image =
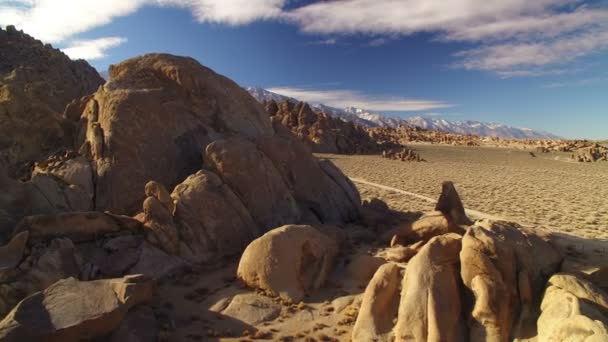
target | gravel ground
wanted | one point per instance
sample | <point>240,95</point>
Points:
<point>546,191</point>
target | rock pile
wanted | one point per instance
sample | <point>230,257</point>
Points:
<point>36,83</point>
<point>403,154</point>
<point>403,135</point>
<point>160,122</point>
<point>322,133</point>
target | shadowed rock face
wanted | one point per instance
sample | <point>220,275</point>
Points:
<point>36,83</point>
<point>71,310</point>
<point>152,120</point>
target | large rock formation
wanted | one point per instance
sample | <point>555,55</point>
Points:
<point>71,310</point>
<point>152,120</point>
<point>321,132</point>
<point>430,307</point>
<point>505,270</point>
<point>36,83</point>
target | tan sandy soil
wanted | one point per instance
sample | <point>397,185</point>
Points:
<point>543,191</point>
<point>188,309</point>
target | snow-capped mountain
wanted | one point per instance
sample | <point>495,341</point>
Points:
<point>369,119</point>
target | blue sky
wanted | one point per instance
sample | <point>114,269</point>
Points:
<point>540,64</point>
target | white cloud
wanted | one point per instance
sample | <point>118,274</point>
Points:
<point>55,21</point>
<point>512,37</point>
<point>514,34</point>
<point>506,56</point>
<point>92,49</point>
<point>343,98</point>
<point>232,12</point>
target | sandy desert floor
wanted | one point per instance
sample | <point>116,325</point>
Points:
<point>547,191</point>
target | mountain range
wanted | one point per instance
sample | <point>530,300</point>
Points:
<point>369,119</point>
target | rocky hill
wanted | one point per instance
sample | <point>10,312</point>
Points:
<point>36,83</point>
<point>321,132</point>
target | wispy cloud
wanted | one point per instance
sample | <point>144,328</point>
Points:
<point>328,41</point>
<point>577,83</point>
<point>345,97</point>
<point>514,37</point>
<point>511,38</point>
<point>54,21</point>
<point>92,49</point>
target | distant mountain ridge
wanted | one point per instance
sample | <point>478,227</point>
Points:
<point>369,119</point>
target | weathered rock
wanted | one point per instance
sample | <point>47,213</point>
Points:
<point>78,226</point>
<point>71,310</point>
<point>57,260</point>
<point>379,306</point>
<point>212,221</point>
<point>317,195</point>
<point>151,120</point>
<point>49,195</point>
<point>449,204</point>
<point>566,317</point>
<point>581,288</point>
<point>139,325</point>
<point>429,225</point>
<point>319,131</point>
<point>13,202</point>
<point>252,308</point>
<point>288,261</point>
<point>506,270</point>
<point>36,83</point>
<point>157,190</point>
<point>161,228</point>
<point>155,263</point>
<point>255,180</point>
<point>345,184</point>
<point>430,307</point>
<point>363,267</point>
<point>12,253</point>
<point>403,253</point>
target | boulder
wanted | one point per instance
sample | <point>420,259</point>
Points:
<point>252,308</point>
<point>12,253</point>
<point>426,227</point>
<point>581,288</point>
<point>211,220</point>
<point>379,306</point>
<point>78,226</point>
<point>567,317</point>
<point>288,261</point>
<point>151,120</point>
<point>430,306</point>
<point>157,190</point>
<point>363,267</point>
<point>506,271</point>
<point>71,310</point>
<point>255,180</point>
<point>403,253</point>
<point>449,204</point>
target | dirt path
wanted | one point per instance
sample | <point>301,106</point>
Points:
<point>473,213</point>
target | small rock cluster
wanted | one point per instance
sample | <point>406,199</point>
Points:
<point>403,154</point>
<point>403,135</point>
